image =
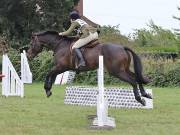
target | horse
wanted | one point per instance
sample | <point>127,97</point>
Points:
<point>117,61</point>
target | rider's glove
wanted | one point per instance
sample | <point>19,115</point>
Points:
<point>60,34</point>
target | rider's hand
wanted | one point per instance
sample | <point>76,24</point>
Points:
<point>60,34</point>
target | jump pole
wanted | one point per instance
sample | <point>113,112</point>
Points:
<point>102,120</point>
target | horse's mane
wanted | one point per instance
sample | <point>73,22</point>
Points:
<point>46,32</point>
<point>66,39</point>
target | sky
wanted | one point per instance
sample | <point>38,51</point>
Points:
<point>133,14</point>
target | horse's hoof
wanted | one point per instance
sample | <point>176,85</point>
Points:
<point>140,100</point>
<point>48,93</point>
<point>147,95</point>
<point>143,102</point>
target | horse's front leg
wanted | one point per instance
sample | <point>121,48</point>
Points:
<point>50,78</point>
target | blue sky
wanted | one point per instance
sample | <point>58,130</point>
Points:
<point>132,14</point>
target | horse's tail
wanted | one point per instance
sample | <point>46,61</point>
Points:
<point>137,67</point>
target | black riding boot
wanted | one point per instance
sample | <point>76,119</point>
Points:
<point>81,62</point>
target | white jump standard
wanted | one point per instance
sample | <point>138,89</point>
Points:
<point>26,75</point>
<point>102,119</point>
<point>11,83</point>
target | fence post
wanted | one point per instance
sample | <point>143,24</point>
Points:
<point>102,119</point>
<point>11,83</point>
<point>26,75</point>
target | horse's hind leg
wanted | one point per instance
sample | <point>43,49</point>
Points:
<point>50,78</point>
<point>143,92</point>
<point>141,88</point>
<point>124,76</point>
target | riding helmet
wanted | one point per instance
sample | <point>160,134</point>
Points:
<point>74,15</point>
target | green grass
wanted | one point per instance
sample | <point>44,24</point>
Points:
<point>37,115</point>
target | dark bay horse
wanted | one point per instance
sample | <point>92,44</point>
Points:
<point>117,60</point>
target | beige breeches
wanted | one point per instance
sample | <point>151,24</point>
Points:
<point>84,41</point>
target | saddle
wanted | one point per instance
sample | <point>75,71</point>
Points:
<point>92,44</point>
<point>89,45</point>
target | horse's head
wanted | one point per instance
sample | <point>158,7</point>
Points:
<point>40,40</point>
<point>35,46</point>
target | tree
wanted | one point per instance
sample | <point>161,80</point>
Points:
<point>19,18</point>
<point>178,31</point>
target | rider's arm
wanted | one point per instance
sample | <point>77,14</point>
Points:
<point>71,29</point>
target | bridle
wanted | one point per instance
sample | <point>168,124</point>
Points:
<point>36,40</point>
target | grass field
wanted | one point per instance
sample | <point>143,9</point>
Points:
<point>37,115</point>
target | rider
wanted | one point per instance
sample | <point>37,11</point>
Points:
<point>86,32</point>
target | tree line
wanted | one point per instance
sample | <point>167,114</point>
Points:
<point>19,18</point>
